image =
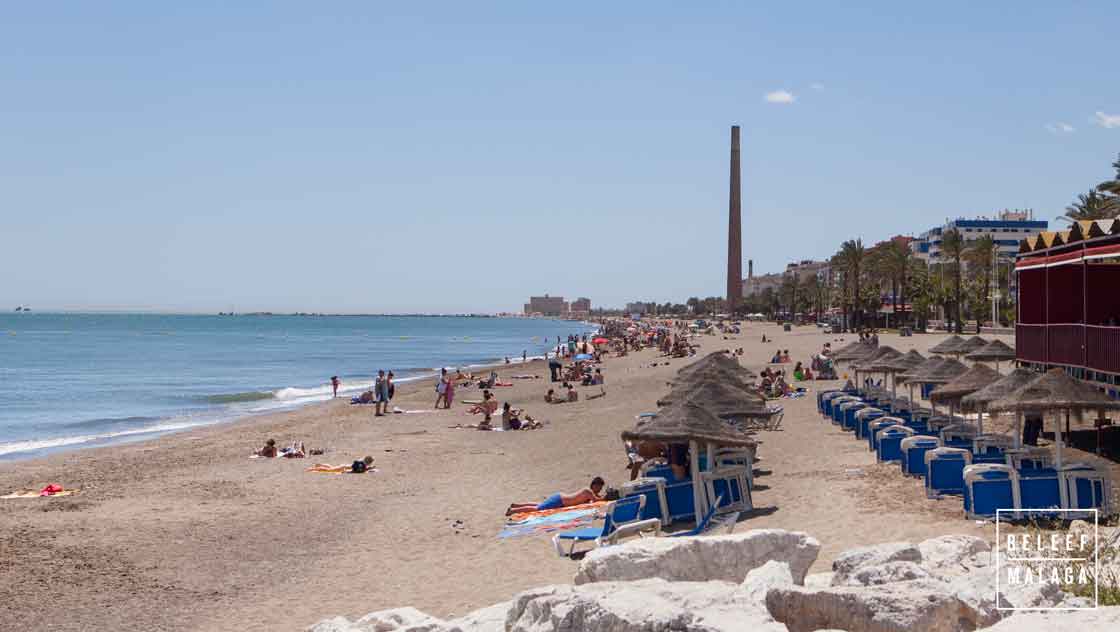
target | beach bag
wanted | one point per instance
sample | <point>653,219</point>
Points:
<point>358,467</point>
<point>441,387</point>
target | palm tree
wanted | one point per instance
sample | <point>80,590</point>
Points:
<point>851,259</point>
<point>1091,205</point>
<point>979,257</point>
<point>953,247</point>
<point>1111,189</point>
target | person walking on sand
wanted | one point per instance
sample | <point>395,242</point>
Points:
<point>524,356</point>
<point>381,394</point>
<point>334,385</point>
<point>441,388</point>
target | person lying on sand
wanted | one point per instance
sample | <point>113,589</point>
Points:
<point>269,450</point>
<point>357,467</point>
<point>588,494</point>
<point>511,419</point>
<point>295,451</point>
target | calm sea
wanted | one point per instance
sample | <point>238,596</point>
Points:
<point>79,380</point>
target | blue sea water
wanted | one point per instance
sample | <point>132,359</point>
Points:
<point>79,380</point>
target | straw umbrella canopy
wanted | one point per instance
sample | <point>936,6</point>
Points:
<point>974,343</point>
<point>898,364</point>
<point>948,345</point>
<point>719,398</point>
<point>979,400</point>
<point>1056,390</point>
<point>863,364</point>
<point>972,380</point>
<point>915,373</point>
<point>714,365</point>
<point>947,372</point>
<point>854,351</point>
<point>995,351</point>
<point>688,422</point>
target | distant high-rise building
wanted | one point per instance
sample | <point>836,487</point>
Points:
<point>581,305</point>
<point>547,305</point>
<point>1006,230</point>
<point>734,229</point>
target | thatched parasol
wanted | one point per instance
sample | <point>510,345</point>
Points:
<point>715,362</point>
<point>719,398</point>
<point>1056,390</point>
<point>969,382</point>
<point>879,352</point>
<point>948,345</point>
<point>998,389</point>
<point>688,422</point>
<point>860,350</point>
<point>995,351</point>
<point>948,371</point>
<point>979,400</point>
<point>974,343</point>
<point>915,374</point>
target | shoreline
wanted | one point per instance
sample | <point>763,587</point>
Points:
<point>228,415</point>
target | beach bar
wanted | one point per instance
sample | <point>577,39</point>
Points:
<point>1069,309</point>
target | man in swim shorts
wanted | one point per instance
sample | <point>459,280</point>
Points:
<point>591,493</point>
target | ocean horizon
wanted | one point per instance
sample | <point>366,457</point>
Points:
<point>84,379</point>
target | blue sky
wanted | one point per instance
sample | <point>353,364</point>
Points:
<point>357,156</point>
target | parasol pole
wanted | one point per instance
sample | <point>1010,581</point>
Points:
<point>1018,428</point>
<point>1061,479</point>
<point>697,484</point>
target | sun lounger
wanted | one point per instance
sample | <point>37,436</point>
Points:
<point>945,470</point>
<point>914,453</point>
<point>1039,489</point>
<point>988,487</point>
<point>711,522</point>
<point>621,518</point>
<point>865,416</point>
<point>875,426</point>
<point>1087,487</point>
<point>848,412</point>
<point>889,442</point>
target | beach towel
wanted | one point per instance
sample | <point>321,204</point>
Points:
<point>550,520</point>
<point>30,493</point>
<point>526,516</point>
<point>345,469</point>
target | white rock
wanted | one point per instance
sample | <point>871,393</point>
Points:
<point>336,624</point>
<point>721,557</point>
<point>848,562</point>
<point>760,580</point>
<point>914,606</point>
<point>488,619</point>
<point>406,619</point>
<point>395,620</point>
<point>819,580</point>
<point>1100,619</point>
<point>951,554</point>
<point>887,573</point>
<point>651,605</point>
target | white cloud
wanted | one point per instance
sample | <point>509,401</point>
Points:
<point>1060,128</point>
<point>817,86</point>
<point>780,96</point>
<point>1107,121</point>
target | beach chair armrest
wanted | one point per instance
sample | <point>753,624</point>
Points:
<point>649,524</point>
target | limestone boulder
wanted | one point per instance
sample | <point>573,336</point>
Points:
<point>722,557</point>
<point>910,606</point>
<point>852,560</point>
<point>760,580</point>
<point>954,554</point>
<point>650,605</point>
<point>1107,618</point>
<point>887,573</point>
<point>395,620</point>
<point>819,580</point>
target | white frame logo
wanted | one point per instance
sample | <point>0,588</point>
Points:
<point>1027,555</point>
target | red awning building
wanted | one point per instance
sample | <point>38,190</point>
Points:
<point>1069,300</point>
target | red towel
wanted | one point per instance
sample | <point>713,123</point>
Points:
<point>50,490</point>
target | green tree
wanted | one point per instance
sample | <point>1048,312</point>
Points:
<point>953,248</point>
<point>1111,190</point>
<point>850,260</point>
<point>1091,205</point>
<point>978,255</point>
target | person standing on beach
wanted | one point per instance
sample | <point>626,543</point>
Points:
<point>524,356</point>
<point>449,393</point>
<point>441,388</point>
<point>381,394</point>
<point>334,385</point>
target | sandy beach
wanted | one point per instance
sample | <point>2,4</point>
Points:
<point>185,532</point>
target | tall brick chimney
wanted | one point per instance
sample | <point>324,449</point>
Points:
<point>734,230</point>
